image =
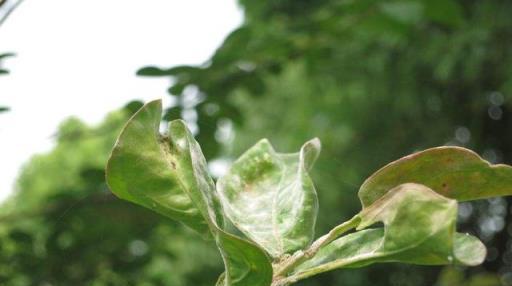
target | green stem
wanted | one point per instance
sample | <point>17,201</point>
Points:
<point>301,256</point>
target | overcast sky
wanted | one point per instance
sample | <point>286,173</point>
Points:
<point>78,58</point>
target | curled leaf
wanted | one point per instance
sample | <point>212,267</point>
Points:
<point>142,169</point>
<point>270,197</point>
<point>419,228</point>
<point>454,172</point>
<point>169,175</point>
<point>221,281</point>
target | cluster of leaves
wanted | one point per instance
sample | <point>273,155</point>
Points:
<point>375,81</point>
<point>271,199</point>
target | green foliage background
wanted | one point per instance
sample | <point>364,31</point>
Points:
<point>373,80</point>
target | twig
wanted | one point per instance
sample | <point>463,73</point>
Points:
<point>300,256</point>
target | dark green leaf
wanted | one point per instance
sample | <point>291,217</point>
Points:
<point>173,113</point>
<point>155,71</point>
<point>133,106</point>
<point>151,71</point>
<point>176,89</point>
<point>6,55</point>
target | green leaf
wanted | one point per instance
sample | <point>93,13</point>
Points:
<point>246,263</point>
<point>2,57</point>
<point>419,228</point>
<point>176,89</point>
<point>152,71</point>
<point>143,169</point>
<point>222,280</point>
<point>6,55</point>
<point>173,113</point>
<point>270,197</point>
<point>156,71</point>
<point>169,175</point>
<point>453,172</point>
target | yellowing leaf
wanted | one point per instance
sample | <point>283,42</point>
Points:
<point>453,172</point>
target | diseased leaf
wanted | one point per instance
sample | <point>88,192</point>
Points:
<point>222,280</point>
<point>419,228</point>
<point>143,170</point>
<point>169,174</point>
<point>246,263</point>
<point>270,197</point>
<point>454,172</point>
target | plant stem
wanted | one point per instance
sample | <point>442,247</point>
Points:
<point>301,256</point>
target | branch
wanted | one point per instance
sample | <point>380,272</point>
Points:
<point>6,8</point>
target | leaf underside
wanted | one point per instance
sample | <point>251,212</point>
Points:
<point>270,197</point>
<point>419,228</point>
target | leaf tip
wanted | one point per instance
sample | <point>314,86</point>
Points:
<point>310,151</point>
<point>469,250</point>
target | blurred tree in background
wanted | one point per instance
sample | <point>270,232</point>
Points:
<point>6,8</point>
<point>374,80</point>
<point>64,227</point>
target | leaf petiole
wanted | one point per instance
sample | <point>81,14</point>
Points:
<point>301,256</point>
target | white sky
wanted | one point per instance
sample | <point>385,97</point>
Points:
<point>77,57</point>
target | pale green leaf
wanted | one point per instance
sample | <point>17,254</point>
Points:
<point>453,172</point>
<point>169,175</point>
<point>270,197</point>
<point>407,12</point>
<point>221,281</point>
<point>419,228</point>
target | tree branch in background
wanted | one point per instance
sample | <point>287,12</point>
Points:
<point>6,8</point>
<point>4,71</point>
